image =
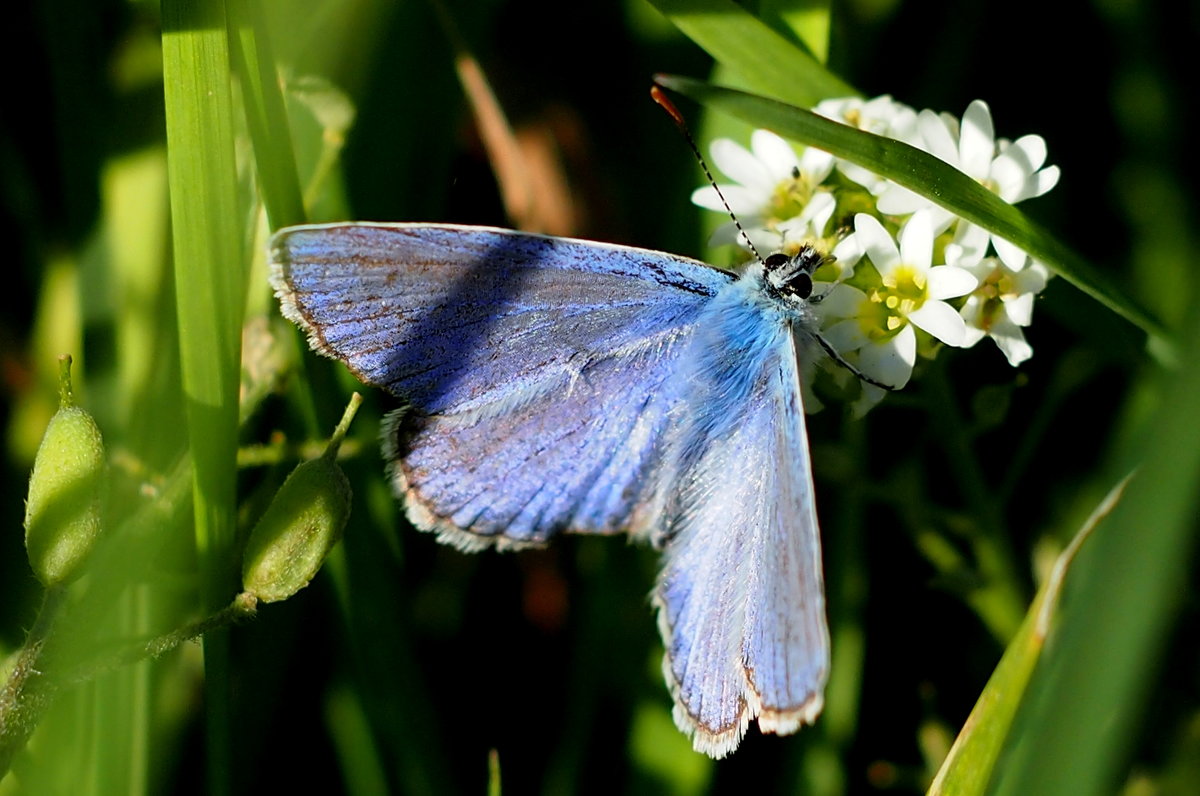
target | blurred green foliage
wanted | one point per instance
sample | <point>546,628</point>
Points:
<point>406,662</point>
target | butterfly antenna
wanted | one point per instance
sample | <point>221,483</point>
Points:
<point>658,96</point>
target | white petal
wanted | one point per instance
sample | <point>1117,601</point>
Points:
<point>1032,278</point>
<point>891,360</point>
<point>794,231</point>
<point>795,228</point>
<point>764,241</point>
<point>1029,151</point>
<point>916,241</point>
<point>940,320</point>
<point>950,281</point>
<point>970,310</point>
<point>970,245</point>
<point>837,108</point>
<point>896,200</point>
<point>903,126</point>
<point>1043,181</point>
<point>1011,255</point>
<point>845,336</point>
<point>1020,309</point>
<point>1010,179</point>
<point>876,243</point>
<point>707,198</point>
<point>741,166</point>
<point>848,251</point>
<point>881,111</point>
<point>1016,170</point>
<point>1011,341</point>
<point>977,141</point>
<point>774,153</point>
<point>937,138</point>
<point>1016,185</point>
<point>744,203</point>
<point>818,211</point>
<point>940,218</point>
<point>864,177</point>
<point>841,301</point>
<point>816,164</point>
<point>972,336</point>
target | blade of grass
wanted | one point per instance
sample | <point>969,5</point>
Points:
<point>1085,702</point>
<point>210,288</point>
<point>350,730</point>
<point>266,116</point>
<point>810,20</point>
<point>969,766</point>
<point>766,60</point>
<point>928,176</point>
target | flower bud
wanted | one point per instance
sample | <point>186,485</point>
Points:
<point>62,511</point>
<point>303,523</point>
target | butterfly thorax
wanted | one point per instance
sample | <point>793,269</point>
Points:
<point>735,354</point>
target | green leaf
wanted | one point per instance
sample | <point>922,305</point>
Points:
<point>972,760</point>
<point>765,59</point>
<point>1087,698</point>
<point>927,175</point>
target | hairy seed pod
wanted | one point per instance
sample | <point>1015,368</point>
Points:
<point>62,511</point>
<point>303,523</point>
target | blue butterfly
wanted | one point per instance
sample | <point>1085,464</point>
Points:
<point>556,385</point>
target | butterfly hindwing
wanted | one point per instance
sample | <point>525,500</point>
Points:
<point>537,370</point>
<point>740,596</point>
<point>578,460</point>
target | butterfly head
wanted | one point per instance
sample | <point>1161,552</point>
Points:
<point>790,276</point>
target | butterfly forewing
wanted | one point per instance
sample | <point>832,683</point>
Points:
<point>453,319</point>
<point>538,370</point>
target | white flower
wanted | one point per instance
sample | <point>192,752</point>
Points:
<point>882,116</point>
<point>790,234</point>
<point>877,326</point>
<point>1002,304</point>
<point>772,184</point>
<point>1012,170</point>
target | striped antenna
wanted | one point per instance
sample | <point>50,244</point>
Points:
<point>658,96</point>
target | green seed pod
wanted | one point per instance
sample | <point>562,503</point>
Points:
<point>62,512</point>
<point>303,523</point>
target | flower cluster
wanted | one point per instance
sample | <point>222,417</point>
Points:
<point>932,277</point>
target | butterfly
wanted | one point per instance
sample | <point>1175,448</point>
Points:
<point>556,385</point>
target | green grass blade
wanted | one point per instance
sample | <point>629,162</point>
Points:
<point>210,287</point>
<point>928,176</point>
<point>350,732</point>
<point>810,20</point>
<point>764,59</point>
<point>1086,699</point>
<point>266,116</point>
<point>972,760</point>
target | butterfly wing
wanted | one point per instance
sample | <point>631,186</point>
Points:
<point>740,597</point>
<point>537,369</point>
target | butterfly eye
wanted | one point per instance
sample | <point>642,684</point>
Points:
<point>800,285</point>
<point>792,276</point>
